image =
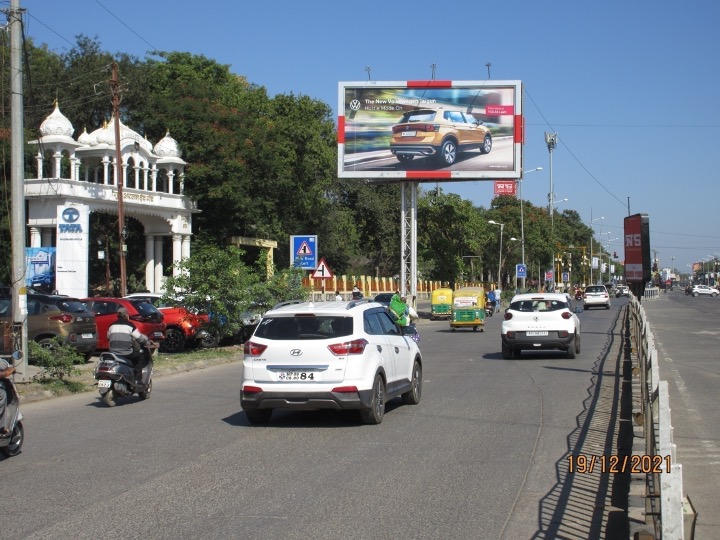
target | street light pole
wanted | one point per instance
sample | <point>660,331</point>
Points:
<point>551,141</point>
<point>522,225</point>
<point>502,225</point>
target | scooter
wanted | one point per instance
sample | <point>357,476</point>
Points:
<point>11,444</point>
<point>116,377</point>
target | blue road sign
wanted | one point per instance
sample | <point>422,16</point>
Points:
<point>304,251</point>
<point>521,270</point>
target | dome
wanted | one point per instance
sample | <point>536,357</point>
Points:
<point>85,137</point>
<point>56,124</point>
<point>167,147</point>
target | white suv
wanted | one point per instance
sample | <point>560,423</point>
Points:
<point>329,355</point>
<point>596,295</point>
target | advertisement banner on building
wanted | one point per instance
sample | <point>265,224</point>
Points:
<point>430,130</point>
<point>73,226</point>
<point>40,268</point>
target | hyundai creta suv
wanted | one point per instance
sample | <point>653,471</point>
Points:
<point>442,133</point>
<point>329,355</point>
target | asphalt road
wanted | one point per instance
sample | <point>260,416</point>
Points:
<point>484,455</point>
<point>687,338</point>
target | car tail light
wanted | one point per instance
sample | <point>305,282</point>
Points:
<point>345,389</point>
<point>508,315</point>
<point>510,335</point>
<point>63,318</point>
<point>566,315</point>
<point>251,389</point>
<point>356,346</point>
<point>250,348</point>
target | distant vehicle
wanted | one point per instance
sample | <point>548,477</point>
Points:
<point>704,290</point>
<point>539,321</point>
<point>328,355</point>
<point>596,296</point>
<point>622,290</point>
<point>441,132</point>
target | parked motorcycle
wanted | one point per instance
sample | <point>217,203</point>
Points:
<point>11,444</point>
<point>116,377</point>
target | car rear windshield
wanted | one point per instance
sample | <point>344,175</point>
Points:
<point>418,116</point>
<point>71,306</point>
<point>596,289</point>
<point>305,327</point>
<point>538,305</point>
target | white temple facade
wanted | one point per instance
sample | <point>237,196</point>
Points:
<point>60,199</point>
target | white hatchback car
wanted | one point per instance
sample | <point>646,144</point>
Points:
<point>596,295</point>
<point>329,355</point>
<point>537,321</point>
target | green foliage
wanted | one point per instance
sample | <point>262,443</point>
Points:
<point>216,281</point>
<point>56,362</point>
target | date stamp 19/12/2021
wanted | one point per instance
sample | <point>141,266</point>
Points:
<point>634,464</point>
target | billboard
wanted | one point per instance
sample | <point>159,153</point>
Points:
<point>637,249</point>
<point>430,130</point>
<point>40,268</point>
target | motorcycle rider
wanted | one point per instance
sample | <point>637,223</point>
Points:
<point>5,371</point>
<point>125,340</point>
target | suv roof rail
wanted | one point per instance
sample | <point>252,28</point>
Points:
<point>354,303</point>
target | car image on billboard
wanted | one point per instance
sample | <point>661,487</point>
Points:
<point>430,130</point>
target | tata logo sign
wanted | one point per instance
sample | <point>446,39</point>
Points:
<point>70,217</point>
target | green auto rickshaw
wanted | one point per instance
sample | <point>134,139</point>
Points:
<point>468,309</point>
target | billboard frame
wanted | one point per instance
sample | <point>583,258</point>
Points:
<point>367,110</point>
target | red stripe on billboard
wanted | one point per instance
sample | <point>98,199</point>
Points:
<point>341,130</point>
<point>519,129</point>
<point>428,174</point>
<point>429,84</point>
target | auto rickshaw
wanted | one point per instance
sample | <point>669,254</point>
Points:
<point>468,308</point>
<point>441,304</point>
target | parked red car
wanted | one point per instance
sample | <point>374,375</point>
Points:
<point>146,317</point>
<point>182,327</point>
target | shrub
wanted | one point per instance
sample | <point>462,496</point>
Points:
<point>57,361</point>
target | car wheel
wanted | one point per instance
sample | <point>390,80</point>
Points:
<point>448,153</point>
<point>607,306</point>
<point>47,343</point>
<point>412,396</point>
<point>259,416</point>
<point>404,158</point>
<point>374,415</point>
<point>506,352</point>
<point>16,441</point>
<point>571,350</point>
<point>174,341</point>
<point>209,341</point>
<point>695,295</point>
<point>713,295</point>
<point>487,144</point>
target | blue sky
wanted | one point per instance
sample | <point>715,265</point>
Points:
<point>631,88</point>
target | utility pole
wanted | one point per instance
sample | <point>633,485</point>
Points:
<point>17,182</point>
<point>551,141</point>
<point>122,231</point>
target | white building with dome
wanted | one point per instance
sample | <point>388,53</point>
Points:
<point>61,197</point>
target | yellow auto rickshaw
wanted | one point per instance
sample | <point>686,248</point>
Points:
<point>441,304</point>
<point>468,308</point>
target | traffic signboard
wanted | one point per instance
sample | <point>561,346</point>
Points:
<point>521,270</point>
<point>303,251</point>
<point>322,271</point>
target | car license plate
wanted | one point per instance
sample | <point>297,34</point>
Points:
<point>536,333</point>
<point>86,336</point>
<point>409,133</point>
<point>104,383</point>
<point>297,376</point>
<point>157,334</point>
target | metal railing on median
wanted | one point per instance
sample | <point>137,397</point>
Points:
<point>667,511</point>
